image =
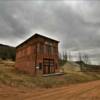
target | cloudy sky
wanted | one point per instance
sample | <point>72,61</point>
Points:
<point>75,23</point>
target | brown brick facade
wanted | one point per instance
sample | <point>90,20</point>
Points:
<point>37,55</point>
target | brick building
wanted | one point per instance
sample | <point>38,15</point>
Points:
<point>37,55</point>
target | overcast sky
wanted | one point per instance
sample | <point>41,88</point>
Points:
<point>75,23</point>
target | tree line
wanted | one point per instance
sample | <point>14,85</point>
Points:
<point>83,59</point>
<point>7,52</point>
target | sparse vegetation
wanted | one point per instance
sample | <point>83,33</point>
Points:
<point>63,59</point>
<point>75,72</point>
<point>12,77</point>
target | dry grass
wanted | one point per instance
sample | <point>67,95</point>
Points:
<point>12,77</point>
<point>75,72</point>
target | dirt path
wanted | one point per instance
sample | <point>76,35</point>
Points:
<point>83,91</point>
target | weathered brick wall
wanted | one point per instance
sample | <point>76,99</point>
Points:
<point>30,54</point>
<point>45,54</point>
<point>24,59</point>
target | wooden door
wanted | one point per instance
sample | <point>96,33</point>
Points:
<point>48,66</point>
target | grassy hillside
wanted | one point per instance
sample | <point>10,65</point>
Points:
<point>74,68</point>
<point>71,67</point>
<point>7,52</point>
<point>12,77</point>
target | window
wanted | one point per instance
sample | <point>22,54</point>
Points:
<point>55,50</point>
<point>48,49</point>
<point>44,48</point>
<point>40,48</point>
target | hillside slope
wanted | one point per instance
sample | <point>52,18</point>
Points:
<point>74,69</point>
<point>7,52</point>
<point>71,67</point>
<point>16,85</point>
<point>12,77</point>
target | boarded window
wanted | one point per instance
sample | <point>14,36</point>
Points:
<point>40,48</point>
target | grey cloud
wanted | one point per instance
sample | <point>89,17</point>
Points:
<point>76,28</point>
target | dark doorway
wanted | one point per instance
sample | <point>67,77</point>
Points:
<point>48,66</point>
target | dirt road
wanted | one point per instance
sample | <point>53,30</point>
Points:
<point>83,91</point>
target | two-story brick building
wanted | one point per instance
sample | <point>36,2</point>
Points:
<point>37,55</point>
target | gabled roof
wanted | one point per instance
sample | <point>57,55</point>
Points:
<point>36,36</point>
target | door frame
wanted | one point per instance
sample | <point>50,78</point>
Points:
<point>48,66</point>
